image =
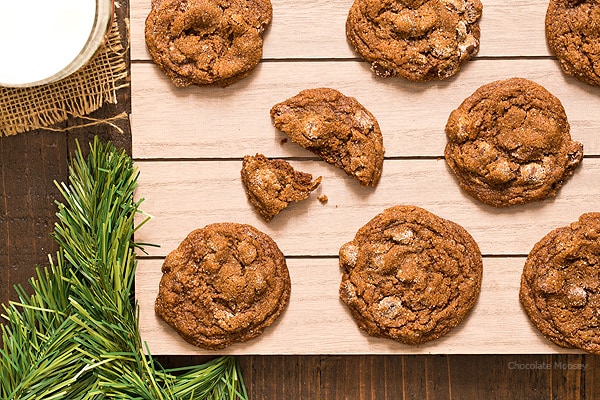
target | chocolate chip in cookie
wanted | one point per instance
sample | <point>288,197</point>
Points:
<point>271,185</point>
<point>509,143</point>
<point>410,275</point>
<point>420,40</point>
<point>224,284</point>
<point>335,127</point>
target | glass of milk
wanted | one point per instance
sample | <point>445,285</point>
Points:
<point>42,41</point>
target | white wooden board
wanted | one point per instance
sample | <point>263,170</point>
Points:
<point>188,145</point>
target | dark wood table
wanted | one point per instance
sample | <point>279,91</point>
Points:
<point>31,162</point>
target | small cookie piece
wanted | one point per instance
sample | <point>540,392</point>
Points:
<point>560,290</point>
<point>573,36</point>
<point>335,127</point>
<point>420,40</point>
<point>410,275</point>
<point>207,41</point>
<point>509,143</point>
<point>271,185</point>
<point>224,284</point>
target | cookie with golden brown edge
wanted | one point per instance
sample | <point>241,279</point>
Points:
<point>573,36</point>
<point>224,284</point>
<point>207,41</point>
<point>420,40</point>
<point>337,128</point>
<point>509,143</point>
<point>560,289</point>
<point>271,185</point>
<point>409,275</point>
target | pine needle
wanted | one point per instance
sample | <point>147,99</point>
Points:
<point>77,336</point>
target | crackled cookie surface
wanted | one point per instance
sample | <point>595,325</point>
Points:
<point>410,275</point>
<point>560,289</point>
<point>573,35</point>
<point>509,143</point>
<point>335,127</point>
<point>420,40</point>
<point>207,41</point>
<point>225,283</point>
<point>271,185</point>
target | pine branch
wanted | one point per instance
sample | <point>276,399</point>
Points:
<point>77,336</point>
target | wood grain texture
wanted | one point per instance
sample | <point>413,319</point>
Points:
<point>308,376</point>
<point>208,122</point>
<point>316,29</point>
<point>211,191</point>
<point>188,144</point>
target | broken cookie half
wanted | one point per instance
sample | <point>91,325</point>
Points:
<point>271,185</point>
<point>335,127</point>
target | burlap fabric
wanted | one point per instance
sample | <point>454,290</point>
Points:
<point>25,109</point>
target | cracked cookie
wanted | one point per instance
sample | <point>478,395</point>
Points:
<point>410,275</point>
<point>573,36</point>
<point>509,143</point>
<point>271,185</point>
<point>225,283</point>
<point>560,290</point>
<point>335,127</point>
<point>420,40</point>
<point>206,41</point>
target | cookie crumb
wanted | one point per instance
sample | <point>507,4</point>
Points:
<point>323,199</point>
<point>271,185</point>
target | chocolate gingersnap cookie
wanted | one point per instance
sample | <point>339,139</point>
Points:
<point>225,283</point>
<point>271,185</point>
<point>335,127</point>
<point>560,289</point>
<point>207,41</point>
<point>419,40</point>
<point>573,36</point>
<point>509,143</point>
<point>410,275</point>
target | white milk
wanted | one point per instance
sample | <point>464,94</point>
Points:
<point>40,38</point>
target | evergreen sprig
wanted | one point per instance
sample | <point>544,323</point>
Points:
<point>77,335</point>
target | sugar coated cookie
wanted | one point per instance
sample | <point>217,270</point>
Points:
<point>271,185</point>
<point>509,143</point>
<point>410,275</point>
<point>224,284</point>
<point>560,290</point>
<point>335,127</point>
<point>420,40</point>
<point>573,35</point>
<point>207,41</point>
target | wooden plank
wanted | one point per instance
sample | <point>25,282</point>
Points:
<point>317,322</point>
<point>567,376</point>
<point>592,376</point>
<point>282,377</point>
<point>316,29</point>
<point>29,163</point>
<point>208,122</point>
<point>517,374</point>
<point>182,196</point>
